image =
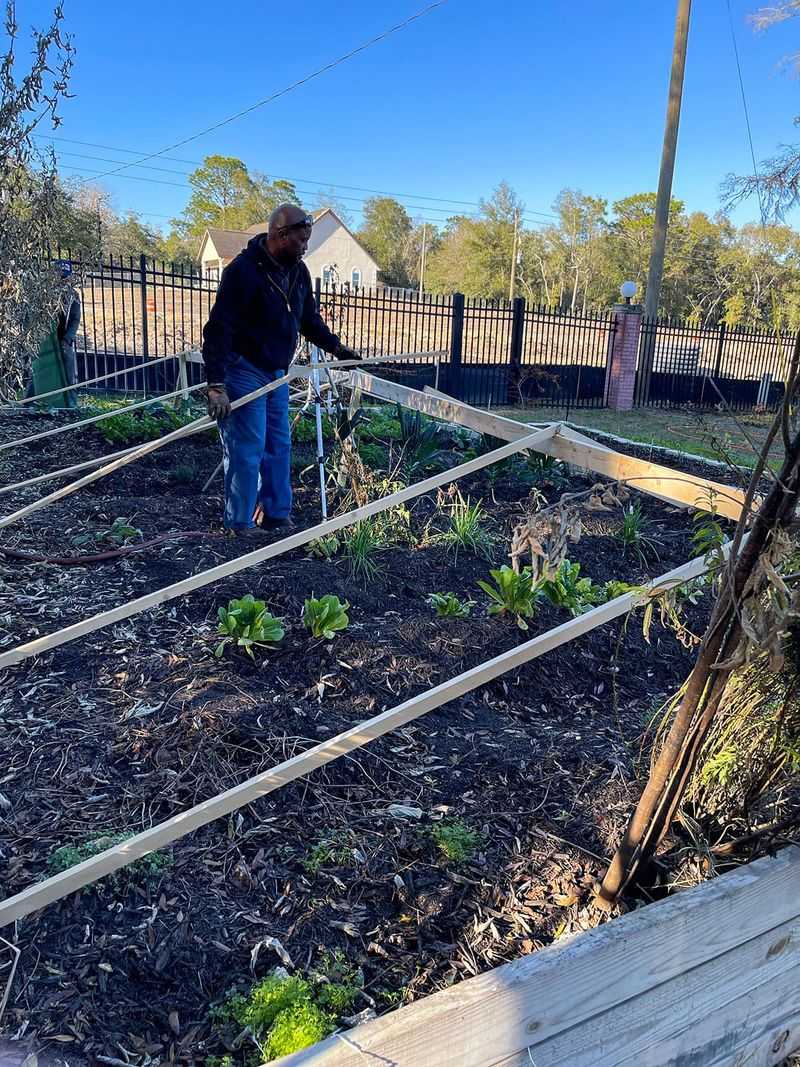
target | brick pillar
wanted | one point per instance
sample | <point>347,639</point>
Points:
<point>621,370</point>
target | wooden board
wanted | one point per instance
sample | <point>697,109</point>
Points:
<point>52,889</point>
<point>575,1004</point>
<point>685,490</point>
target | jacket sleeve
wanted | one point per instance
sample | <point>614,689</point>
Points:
<point>228,310</point>
<point>313,327</point>
<point>73,321</point>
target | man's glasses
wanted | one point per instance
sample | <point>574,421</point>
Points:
<point>303,224</point>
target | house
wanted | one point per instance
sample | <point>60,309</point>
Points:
<point>334,254</point>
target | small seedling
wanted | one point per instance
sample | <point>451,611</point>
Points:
<point>327,853</point>
<point>324,547</point>
<point>513,593</point>
<point>149,867</point>
<point>447,605</point>
<point>634,535</point>
<point>707,537</point>
<point>326,616</point>
<point>119,533</point>
<point>455,840</point>
<point>566,589</point>
<point>247,624</point>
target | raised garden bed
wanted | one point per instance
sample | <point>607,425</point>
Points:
<point>467,839</point>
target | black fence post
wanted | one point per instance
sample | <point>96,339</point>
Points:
<point>456,345</point>
<point>517,338</point>
<point>143,295</point>
<point>720,344</point>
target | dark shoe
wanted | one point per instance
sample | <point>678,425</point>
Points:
<point>252,533</point>
<point>286,524</point>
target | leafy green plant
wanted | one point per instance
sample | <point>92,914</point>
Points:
<point>118,533</point>
<point>513,592</point>
<point>546,470</point>
<point>361,543</point>
<point>380,426</point>
<point>707,537</point>
<point>421,440</point>
<point>329,852</point>
<point>296,1028</point>
<point>247,624</point>
<point>326,616</point>
<point>146,424</point>
<point>150,867</point>
<point>184,474</point>
<point>304,430</point>
<point>566,589</point>
<point>634,534</point>
<point>447,605</point>
<point>373,455</point>
<point>455,840</point>
<point>465,528</point>
<point>615,588</point>
<point>324,547</point>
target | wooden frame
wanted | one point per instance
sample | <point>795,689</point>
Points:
<point>707,978</point>
<point>471,1035</point>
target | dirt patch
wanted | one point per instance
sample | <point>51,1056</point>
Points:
<point>124,728</point>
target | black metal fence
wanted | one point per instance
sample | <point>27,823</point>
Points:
<point>497,352</point>
<point>707,366</point>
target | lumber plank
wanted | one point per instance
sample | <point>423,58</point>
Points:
<point>690,1012</point>
<point>52,889</point>
<point>675,487</point>
<point>249,559</point>
<point>510,1014</point>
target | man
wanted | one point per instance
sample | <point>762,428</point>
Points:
<point>265,300</point>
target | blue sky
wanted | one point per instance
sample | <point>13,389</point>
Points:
<point>544,94</point>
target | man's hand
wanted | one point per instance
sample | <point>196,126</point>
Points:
<point>219,404</point>
<point>343,352</point>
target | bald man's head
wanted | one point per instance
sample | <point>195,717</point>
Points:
<point>289,231</point>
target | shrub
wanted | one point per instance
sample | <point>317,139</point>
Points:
<point>247,624</point>
<point>455,840</point>
<point>447,605</point>
<point>513,593</point>
<point>324,617</point>
<point>565,589</point>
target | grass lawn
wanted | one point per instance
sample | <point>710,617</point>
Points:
<point>714,435</point>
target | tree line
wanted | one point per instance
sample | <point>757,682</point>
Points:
<point>714,271</point>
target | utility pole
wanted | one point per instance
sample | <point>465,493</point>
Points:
<point>513,280</point>
<point>656,269</point>
<point>422,265</point>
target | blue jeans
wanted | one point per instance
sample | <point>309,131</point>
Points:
<point>256,448</point>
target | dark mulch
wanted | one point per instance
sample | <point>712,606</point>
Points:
<point>130,725</point>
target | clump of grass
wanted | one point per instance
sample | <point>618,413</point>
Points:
<point>466,528</point>
<point>362,542</point>
<point>635,536</point>
<point>148,868</point>
<point>455,840</point>
<point>447,605</point>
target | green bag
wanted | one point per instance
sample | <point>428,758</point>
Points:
<point>48,372</point>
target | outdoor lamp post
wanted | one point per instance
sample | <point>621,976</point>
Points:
<point>628,290</point>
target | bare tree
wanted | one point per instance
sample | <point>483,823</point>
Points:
<point>30,287</point>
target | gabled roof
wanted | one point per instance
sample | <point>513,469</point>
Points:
<point>229,243</point>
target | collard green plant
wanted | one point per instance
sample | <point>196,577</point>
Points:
<point>566,589</point>
<point>447,605</point>
<point>513,593</point>
<point>119,533</point>
<point>326,616</point>
<point>247,624</point>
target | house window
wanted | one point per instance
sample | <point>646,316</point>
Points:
<point>327,274</point>
<point>356,278</point>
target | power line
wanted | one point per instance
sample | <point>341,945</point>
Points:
<point>282,177</point>
<point>360,201</point>
<point>746,116</point>
<point>287,89</point>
